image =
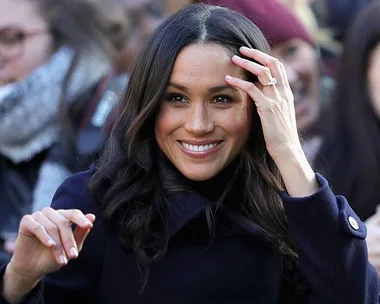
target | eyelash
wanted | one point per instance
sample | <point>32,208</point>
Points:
<point>226,99</point>
<point>170,98</point>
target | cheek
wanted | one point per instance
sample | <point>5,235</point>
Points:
<point>167,122</point>
<point>238,122</point>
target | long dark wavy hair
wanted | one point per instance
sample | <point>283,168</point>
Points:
<point>130,166</point>
<point>350,154</point>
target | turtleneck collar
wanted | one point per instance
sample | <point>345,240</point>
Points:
<point>174,181</point>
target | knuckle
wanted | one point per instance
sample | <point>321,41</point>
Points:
<point>276,63</point>
<point>251,87</point>
<point>46,210</point>
<point>76,212</point>
<point>38,214</point>
<point>38,228</point>
<point>51,229</point>
<point>265,71</point>
<point>63,223</point>
<point>26,219</point>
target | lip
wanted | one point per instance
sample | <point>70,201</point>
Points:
<point>200,154</point>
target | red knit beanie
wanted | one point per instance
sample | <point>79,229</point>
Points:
<point>276,21</point>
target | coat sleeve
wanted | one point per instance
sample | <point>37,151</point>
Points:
<point>76,282</point>
<point>332,250</point>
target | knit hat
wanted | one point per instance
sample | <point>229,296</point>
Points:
<point>276,21</point>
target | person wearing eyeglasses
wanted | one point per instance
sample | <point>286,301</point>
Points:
<point>57,87</point>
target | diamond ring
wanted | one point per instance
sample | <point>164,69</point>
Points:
<point>271,82</point>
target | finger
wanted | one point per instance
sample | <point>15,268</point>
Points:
<point>77,217</point>
<point>81,231</point>
<point>250,88</point>
<point>80,234</point>
<point>263,73</point>
<point>276,67</point>
<point>65,231</point>
<point>30,227</point>
<point>52,229</point>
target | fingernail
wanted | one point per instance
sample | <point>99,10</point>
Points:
<point>73,252</point>
<point>62,259</point>
<point>87,223</point>
<point>244,48</point>
<point>51,243</point>
<point>228,77</point>
<point>236,57</point>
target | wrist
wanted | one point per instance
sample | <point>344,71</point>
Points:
<point>16,286</point>
<point>293,153</point>
<point>297,174</point>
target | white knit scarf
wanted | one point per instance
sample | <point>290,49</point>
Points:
<point>29,108</point>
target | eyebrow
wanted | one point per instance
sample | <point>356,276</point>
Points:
<point>211,90</point>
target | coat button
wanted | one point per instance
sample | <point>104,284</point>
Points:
<point>353,222</point>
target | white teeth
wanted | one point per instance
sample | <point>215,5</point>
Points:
<point>200,148</point>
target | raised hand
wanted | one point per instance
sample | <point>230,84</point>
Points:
<point>275,106</point>
<point>46,242</point>
<point>273,98</point>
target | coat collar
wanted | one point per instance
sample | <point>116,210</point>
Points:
<point>186,206</point>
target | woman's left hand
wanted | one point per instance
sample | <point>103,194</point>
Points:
<point>275,106</point>
<point>274,102</point>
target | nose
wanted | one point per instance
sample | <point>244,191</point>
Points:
<point>199,120</point>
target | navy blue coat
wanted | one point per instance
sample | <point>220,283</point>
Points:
<point>239,266</point>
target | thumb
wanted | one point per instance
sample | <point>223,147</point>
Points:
<point>81,234</point>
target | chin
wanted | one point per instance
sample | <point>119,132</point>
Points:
<point>199,176</point>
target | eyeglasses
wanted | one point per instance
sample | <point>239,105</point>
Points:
<point>12,40</point>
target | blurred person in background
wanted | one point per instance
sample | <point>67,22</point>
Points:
<point>57,87</point>
<point>329,48</point>
<point>336,16</point>
<point>350,152</point>
<point>294,47</point>
<point>172,6</point>
<point>143,16</point>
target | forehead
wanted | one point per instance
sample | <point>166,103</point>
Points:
<point>20,12</point>
<point>204,63</point>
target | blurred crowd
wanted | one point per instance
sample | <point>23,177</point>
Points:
<point>64,65</point>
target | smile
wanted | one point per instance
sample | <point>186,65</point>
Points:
<point>198,148</point>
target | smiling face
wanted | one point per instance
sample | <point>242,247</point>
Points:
<point>203,123</point>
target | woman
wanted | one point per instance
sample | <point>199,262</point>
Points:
<point>54,72</point>
<point>350,153</point>
<point>190,195</point>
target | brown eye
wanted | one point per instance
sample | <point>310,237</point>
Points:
<point>222,99</point>
<point>175,98</point>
